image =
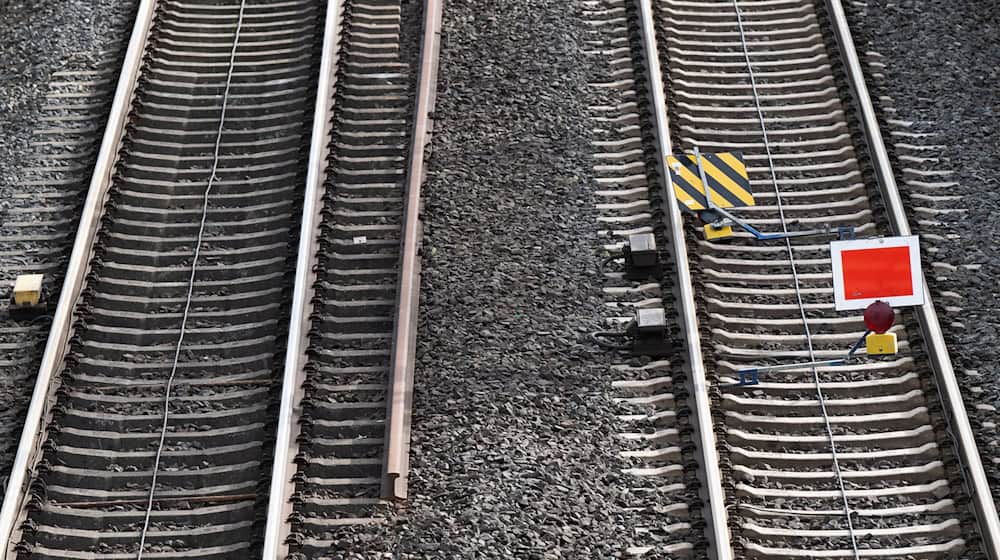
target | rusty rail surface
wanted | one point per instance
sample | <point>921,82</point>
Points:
<point>397,462</point>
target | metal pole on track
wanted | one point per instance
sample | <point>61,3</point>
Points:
<point>395,471</point>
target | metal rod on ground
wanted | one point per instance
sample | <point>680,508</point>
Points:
<point>799,365</point>
<point>813,364</point>
<point>738,222</point>
<point>397,432</point>
<point>716,517</point>
<point>768,236</point>
<point>958,420</point>
<point>279,507</point>
<point>76,270</point>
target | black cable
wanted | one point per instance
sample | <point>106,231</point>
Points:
<point>599,336</point>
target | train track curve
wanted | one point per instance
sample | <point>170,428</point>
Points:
<point>871,459</point>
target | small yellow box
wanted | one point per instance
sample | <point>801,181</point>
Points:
<point>28,289</point>
<point>712,232</point>
<point>879,344</point>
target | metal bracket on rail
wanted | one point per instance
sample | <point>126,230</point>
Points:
<point>723,225</point>
<point>640,256</point>
<point>647,332</point>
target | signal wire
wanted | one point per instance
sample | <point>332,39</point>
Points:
<point>798,287</point>
<point>190,288</point>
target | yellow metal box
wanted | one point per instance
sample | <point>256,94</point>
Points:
<point>28,289</point>
<point>717,233</point>
<point>878,344</point>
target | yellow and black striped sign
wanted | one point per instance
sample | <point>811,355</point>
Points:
<point>727,179</point>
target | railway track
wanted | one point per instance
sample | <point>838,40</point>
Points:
<point>164,391</point>
<point>193,341</point>
<point>184,244</point>
<point>871,459</point>
<point>343,444</point>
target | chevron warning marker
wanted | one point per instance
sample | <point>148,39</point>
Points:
<point>727,180</point>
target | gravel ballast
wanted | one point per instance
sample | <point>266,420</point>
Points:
<point>941,70</point>
<point>36,37</point>
<point>37,40</point>
<point>482,431</point>
<point>514,453</point>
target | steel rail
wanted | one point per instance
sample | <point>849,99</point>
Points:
<point>39,409</point>
<point>395,472</point>
<point>951,395</point>
<point>286,447</point>
<point>716,517</point>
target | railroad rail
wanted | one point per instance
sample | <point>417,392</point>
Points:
<point>870,459</point>
<point>658,434</point>
<point>343,441</point>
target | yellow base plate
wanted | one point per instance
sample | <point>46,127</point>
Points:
<point>717,233</point>
<point>880,344</point>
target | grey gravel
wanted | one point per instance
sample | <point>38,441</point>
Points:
<point>37,39</point>
<point>941,59</point>
<point>514,454</point>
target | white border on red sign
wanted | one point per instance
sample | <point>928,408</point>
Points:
<point>841,303</point>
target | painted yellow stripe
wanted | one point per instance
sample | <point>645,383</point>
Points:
<point>680,186</point>
<point>733,162</point>
<point>740,167</point>
<point>725,181</point>
<point>690,177</point>
<point>684,196</point>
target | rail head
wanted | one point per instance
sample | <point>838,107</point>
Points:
<point>32,436</point>
<point>716,517</point>
<point>279,506</point>
<point>933,337</point>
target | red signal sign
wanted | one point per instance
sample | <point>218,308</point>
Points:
<point>867,270</point>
